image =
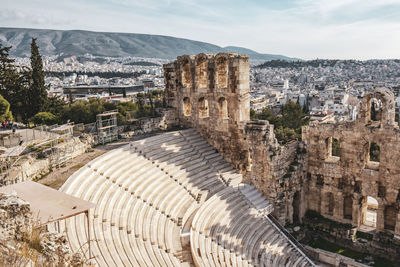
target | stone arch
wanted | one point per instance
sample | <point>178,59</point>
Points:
<point>374,152</point>
<point>222,106</point>
<point>187,107</point>
<point>386,99</point>
<point>221,71</point>
<point>332,147</point>
<point>375,109</point>
<point>203,108</point>
<point>348,207</point>
<point>390,217</point>
<point>186,73</point>
<point>201,71</point>
<point>335,147</point>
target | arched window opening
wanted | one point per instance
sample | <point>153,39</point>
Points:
<point>222,108</point>
<point>201,73</point>
<point>333,147</point>
<point>374,152</point>
<point>390,217</point>
<point>348,208</point>
<point>331,203</point>
<point>187,107</point>
<point>222,73</point>
<point>203,108</point>
<point>371,206</point>
<point>296,207</point>
<point>186,75</point>
<point>375,109</point>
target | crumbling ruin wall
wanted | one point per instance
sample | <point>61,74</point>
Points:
<point>277,171</point>
<point>24,243</point>
<point>338,185</point>
<point>211,94</point>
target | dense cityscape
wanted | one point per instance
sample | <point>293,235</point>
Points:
<point>200,133</point>
<point>330,89</point>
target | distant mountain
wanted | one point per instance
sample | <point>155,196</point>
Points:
<point>77,42</point>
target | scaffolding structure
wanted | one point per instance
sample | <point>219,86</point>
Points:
<point>60,155</point>
<point>107,128</point>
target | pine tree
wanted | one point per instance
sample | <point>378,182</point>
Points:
<point>38,93</point>
<point>14,84</point>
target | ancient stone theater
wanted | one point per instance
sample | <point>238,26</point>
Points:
<point>216,191</point>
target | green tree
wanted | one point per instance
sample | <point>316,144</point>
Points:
<point>82,111</point>
<point>55,105</point>
<point>335,147</point>
<point>266,114</point>
<point>253,114</point>
<point>37,91</point>
<point>152,108</point>
<point>293,116</point>
<point>44,118</point>
<point>288,124</point>
<point>5,113</point>
<point>14,84</point>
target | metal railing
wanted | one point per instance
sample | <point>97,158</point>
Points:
<point>289,237</point>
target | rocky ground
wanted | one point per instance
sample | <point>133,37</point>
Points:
<point>24,243</point>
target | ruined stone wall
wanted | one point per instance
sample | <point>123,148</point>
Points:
<point>277,171</point>
<point>338,186</point>
<point>23,243</point>
<point>211,94</point>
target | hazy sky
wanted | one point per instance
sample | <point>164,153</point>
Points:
<point>306,29</point>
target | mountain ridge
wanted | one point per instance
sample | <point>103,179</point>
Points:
<point>113,44</point>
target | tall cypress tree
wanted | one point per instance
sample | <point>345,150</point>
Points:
<point>38,93</point>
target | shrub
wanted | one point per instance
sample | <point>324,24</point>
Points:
<point>44,118</point>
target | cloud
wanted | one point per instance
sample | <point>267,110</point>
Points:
<point>300,28</point>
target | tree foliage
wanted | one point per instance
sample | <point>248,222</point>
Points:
<point>5,113</point>
<point>335,147</point>
<point>14,84</point>
<point>44,118</point>
<point>288,124</point>
<point>25,92</point>
<point>37,90</point>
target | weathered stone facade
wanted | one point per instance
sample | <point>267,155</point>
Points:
<point>338,186</point>
<point>211,94</point>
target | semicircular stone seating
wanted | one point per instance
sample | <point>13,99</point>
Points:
<point>232,228</point>
<point>148,192</point>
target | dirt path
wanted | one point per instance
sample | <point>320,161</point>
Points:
<point>57,177</point>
